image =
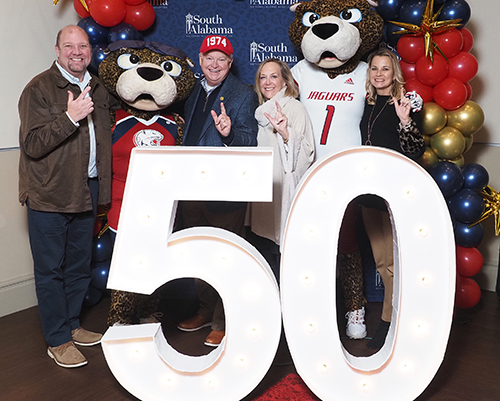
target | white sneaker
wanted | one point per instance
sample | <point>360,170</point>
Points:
<point>356,328</point>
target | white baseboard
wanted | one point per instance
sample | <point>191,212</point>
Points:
<point>17,295</point>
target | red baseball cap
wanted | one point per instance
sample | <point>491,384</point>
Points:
<point>216,42</point>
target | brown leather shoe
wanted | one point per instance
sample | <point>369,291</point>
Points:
<point>215,338</point>
<point>197,322</point>
<point>67,355</point>
<point>85,338</point>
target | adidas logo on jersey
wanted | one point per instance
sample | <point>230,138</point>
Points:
<point>349,81</point>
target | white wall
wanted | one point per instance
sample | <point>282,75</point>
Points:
<point>28,34</point>
<point>486,149</point>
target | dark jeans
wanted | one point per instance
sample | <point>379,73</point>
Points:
<point>61,245</point>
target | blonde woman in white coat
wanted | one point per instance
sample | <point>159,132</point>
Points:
<point>285,126</point>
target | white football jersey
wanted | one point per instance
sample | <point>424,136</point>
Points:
<point>335,106</point>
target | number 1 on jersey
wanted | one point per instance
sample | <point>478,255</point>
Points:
<point>328,122</point>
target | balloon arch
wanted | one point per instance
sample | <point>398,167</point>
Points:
<point>434,46</point>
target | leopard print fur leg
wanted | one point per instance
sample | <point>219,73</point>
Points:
<point>147,304</point>
<point>351,276</point>
<point>122,308</point>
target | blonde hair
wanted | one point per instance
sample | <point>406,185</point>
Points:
<point>398,80</point>
<point>291,87</point>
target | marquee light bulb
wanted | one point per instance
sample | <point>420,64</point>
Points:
<point>410,194</point>
<point>366,387</point>
<point>136,353</point>
<point>254,332</point>
<point>324,368</point>
<point>311,234</point>
<point>422,232</point>
<point>203,175</point>
<point>307,280</point>
<point>426,281</point>
<point>161,173</point>
<point>310,327</point>
<point>367,170</point>
<point>212,385</point>
<point>419,328</point>
<point>323,194</point>
<point>146,217</point>
<point>167,382</point>
<point>241,363</point>
<point>407,368</point>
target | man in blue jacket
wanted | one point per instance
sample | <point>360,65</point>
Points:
<point>219,112</point>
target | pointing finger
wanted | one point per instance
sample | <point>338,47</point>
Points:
<point>222,108</point>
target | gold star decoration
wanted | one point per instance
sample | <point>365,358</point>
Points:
<point>491,207</point>
<point>84,4</point>
<point>429,26</point>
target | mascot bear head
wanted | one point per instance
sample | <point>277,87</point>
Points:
<point>147,77</point>
<point>335,34</point>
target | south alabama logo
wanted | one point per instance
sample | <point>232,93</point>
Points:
<point>272,3</point>
<point>262,51</point>
<point>147,137</point>
<point>203,25</point>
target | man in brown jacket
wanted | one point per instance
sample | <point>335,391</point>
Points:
<point>64,172</point>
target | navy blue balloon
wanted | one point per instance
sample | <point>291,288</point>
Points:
<point>123,31</point>
<point>468,237</point>
<point>475,176</point>
<point>454,9</point>
<point>98,54</point>
<point>92,297</point>
<point>97,33</point>
<point>389,9</point>
<point>388,34</point>
<point>448,176</point>
<point>102,248</point>
<point>100,274</point>
<point>411,11</point>
<point>466,206</point>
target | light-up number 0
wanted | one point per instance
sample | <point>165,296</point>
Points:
<point>149,368</point>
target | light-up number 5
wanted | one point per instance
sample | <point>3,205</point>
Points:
<point>149,368</point>
<point>139,356</point>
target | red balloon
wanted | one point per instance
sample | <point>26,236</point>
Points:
<point>133,2</point>
<point>141,17</point>
<point>108,13</point>
<point>80,9</point>
<point>450,42</point>
<point>450,94</point>
<point>458,282</point>
<point>411,48</point>
<point>431,72</point>
<point>469,90</point>
<point>463,66</point>
<point>408,70</point>
<point>469,293</point>
<point>469,261</point>
<point>468,39</point>
<point>424,91</point>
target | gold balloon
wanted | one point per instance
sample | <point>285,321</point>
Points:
<point>427,140</point>
<point>434,118</point>
<point>469,140</point>
<point>467,119</point>
<point>428,159</point>
<point>459,161</point>
<point>448,144</point>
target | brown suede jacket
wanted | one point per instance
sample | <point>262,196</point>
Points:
<point>54,156</point>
